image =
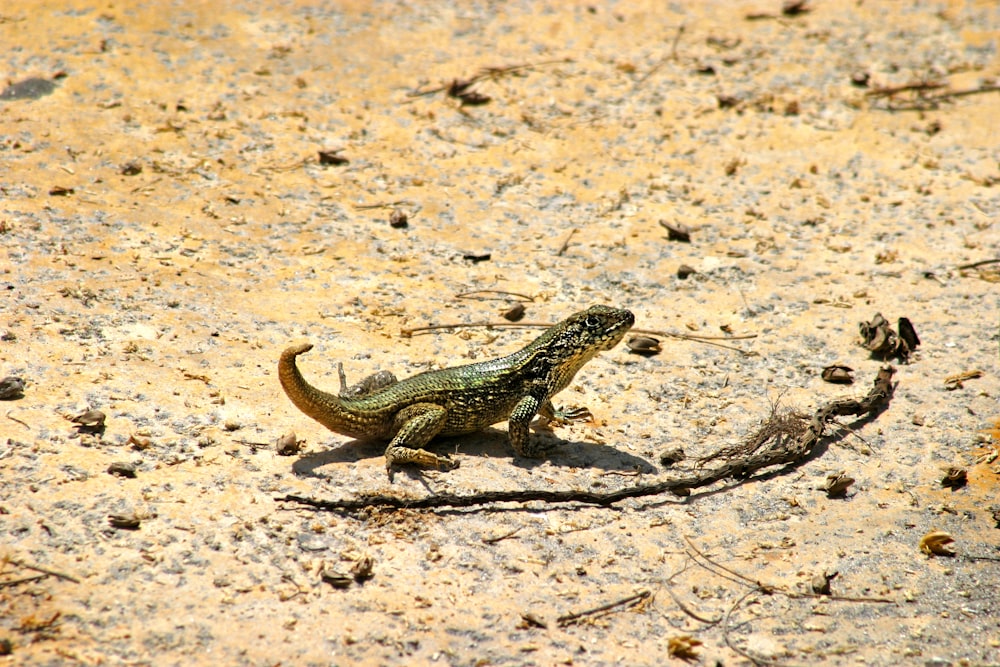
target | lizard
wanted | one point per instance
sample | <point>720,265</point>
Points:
<point>408,414</point>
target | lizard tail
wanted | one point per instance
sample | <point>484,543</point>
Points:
<point>324,407</point>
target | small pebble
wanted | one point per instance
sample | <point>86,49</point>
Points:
<point>90,419</point>
<point>287,445</point>
<point>515,313</point>
<point>122,469</point>
<point>398,218</point>
<point>11,387</point>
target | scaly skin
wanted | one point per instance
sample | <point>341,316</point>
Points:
<point>463,399</point>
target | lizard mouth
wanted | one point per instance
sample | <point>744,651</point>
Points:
<point>619,328</point>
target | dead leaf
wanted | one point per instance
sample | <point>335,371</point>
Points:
<point>837,374</point>
<point>644,345</point>
<point>954,478</point>
<point>836,485</point>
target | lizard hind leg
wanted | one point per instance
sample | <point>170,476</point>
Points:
<point>417,425</point>
<point>370,385</point>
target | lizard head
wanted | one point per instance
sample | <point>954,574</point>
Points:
<point>601,327</point>
<point>574,341</point>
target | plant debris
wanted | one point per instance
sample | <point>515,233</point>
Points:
<point>878,338</point>
<point>821,582</point>
<point>462,89</point>
<point>604,609</point>
<point>957,381</point>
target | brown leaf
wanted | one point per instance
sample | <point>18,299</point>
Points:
<point>907,333</point>
<point>837,374</point>
<point>876,335</point>
<point>954,478</point>
<point>530,620</point>
<point>644,345</point>
<point>836,485</point>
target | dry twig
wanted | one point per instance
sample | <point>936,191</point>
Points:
<point>569,619</point>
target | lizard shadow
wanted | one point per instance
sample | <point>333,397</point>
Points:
<point>489,443</point>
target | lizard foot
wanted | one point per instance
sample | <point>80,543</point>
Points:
<point>564,417</point>
<point>420,457</point>
<point>536,449</point>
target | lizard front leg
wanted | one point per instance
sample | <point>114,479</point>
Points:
<point>517,427</point>
<point>521,416</point>
<point>551,415</point>
<point>417,425</point>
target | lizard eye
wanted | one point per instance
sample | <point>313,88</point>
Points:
<point>592,322</point>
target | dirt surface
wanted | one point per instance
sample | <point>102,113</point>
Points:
<point>168,227</point>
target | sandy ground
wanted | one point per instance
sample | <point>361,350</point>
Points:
<point>167,228</point>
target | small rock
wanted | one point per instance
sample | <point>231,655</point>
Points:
<point>11,387</point>
<point>287,445</point>
<point>123,469</point>
<point>90,419</point>
<point>398,218</point>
